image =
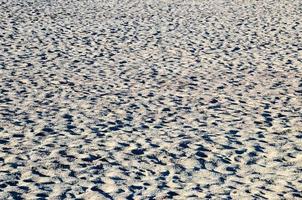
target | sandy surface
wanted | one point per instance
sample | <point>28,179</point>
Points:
<point>150,99</point>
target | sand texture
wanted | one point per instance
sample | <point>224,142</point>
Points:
<point>151,99</point>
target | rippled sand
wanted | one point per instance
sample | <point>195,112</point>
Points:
<point>150,99</point>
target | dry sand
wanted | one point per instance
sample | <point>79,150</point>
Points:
<point>150,99</point>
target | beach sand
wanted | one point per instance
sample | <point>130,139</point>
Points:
<point>150,99</point>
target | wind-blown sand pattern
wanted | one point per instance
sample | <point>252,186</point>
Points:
<point>150,99</point>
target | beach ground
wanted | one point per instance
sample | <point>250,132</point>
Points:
<point>150,99</point>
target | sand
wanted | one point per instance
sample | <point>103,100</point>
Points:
<point>150,99</point>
